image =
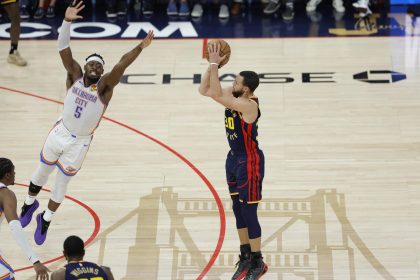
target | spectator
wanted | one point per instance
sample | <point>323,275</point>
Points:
<point>12,10</point>
<point>40,12</point>
<point>183,11</point>
<point>116,8</point>
<point>337,5</point>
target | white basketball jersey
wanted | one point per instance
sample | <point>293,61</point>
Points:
<point>83,109</point>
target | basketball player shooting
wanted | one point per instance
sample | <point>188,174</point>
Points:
<point>245,160</point>
<point>88,95</point>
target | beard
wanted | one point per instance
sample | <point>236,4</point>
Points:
<point>238,93</point>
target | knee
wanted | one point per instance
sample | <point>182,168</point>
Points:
<point>236,207</point>
<point>249,212</point>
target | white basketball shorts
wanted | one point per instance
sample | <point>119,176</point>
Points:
<point>65,150</point>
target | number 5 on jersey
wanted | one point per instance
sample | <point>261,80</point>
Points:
<point>78,112</point>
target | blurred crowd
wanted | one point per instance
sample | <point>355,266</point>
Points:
<point>39,9</point>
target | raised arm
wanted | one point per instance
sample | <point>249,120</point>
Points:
<point>112,78</point>
<point>225,96</point>
<point>204,87</point>
<point>9,208</point>
<point>74,71</point>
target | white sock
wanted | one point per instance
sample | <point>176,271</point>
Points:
<point>30,199</point>
<point>48,215</point>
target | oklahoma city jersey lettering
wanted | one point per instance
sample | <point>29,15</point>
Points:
<point>83,109</point>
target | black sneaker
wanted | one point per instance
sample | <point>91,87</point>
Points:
<point>147,8</point>
<point>257,269</point>
<point>111,13</point>
<point>39,14</point>
<point>23,12</point>
<point>272,7</point>
<point>50,12</point>
<point>122,8</point>
<point>289,13</point>
<point>243,266</point>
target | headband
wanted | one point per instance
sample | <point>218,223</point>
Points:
<point>95,58</point>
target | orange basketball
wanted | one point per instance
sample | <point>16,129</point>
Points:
<point>224,50</point>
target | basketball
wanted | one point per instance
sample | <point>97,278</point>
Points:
<point>224,50</point>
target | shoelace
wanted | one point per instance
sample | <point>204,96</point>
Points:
<point>25,208</point>
<point>241,259</point>
<point>45,225</point>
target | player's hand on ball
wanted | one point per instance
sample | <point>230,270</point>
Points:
<point>214,54</point>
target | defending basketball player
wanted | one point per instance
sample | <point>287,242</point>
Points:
<point>8,206</point>
<point>76,268</point>
<point>245,161</point>
<point>88,95</point>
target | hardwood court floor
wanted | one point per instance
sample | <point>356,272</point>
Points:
<point>341,192</point>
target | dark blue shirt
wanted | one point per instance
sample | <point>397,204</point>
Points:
<point>84,270</point>
<point>242,136</point>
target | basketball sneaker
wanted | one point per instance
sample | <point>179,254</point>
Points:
<point>15,58</point>
<point>339,6</point>
<point>312,5</point>
<point>41,229</point>
<point>172,9</point>
<point>272,7</point>
<point>257,268</point>
<point>184,9</point>
<point>39,13</point>
<point>362,6</point>
<point>197,10</point>
<point>243,266</point>
<point>27,212</point>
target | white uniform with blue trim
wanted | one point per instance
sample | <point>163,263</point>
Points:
<point>68,142</point>
<point>6,271</point>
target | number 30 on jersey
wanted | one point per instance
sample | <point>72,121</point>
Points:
<point>229,123</point>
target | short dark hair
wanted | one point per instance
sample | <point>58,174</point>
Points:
<point>251,79</point>
<point>95,54</point>
<point>6,166</point>
<point>74,246</point>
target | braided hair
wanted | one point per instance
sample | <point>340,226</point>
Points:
<point>6,166</point>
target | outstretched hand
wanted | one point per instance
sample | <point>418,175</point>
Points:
<point>214,54</point>
<point>148,40</point>
<point>41,271</point>
<point>73,10</point>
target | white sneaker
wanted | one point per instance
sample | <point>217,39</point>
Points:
<point>361,4</point>
<point>311,5</point>
<point>197,10</point>
<point>224,11</point>
<point>15,58</point>
<point>366,13</point>
<point>338,6</point>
